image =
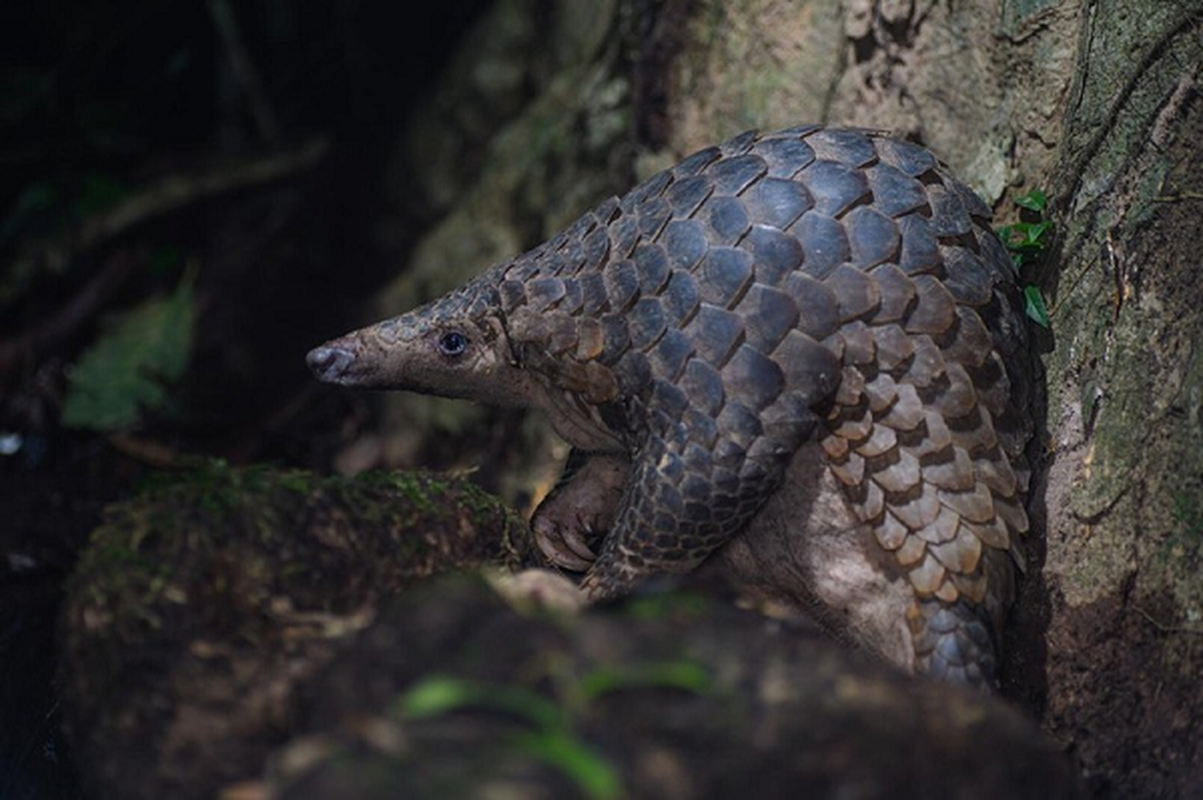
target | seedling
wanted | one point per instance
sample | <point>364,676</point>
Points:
<point>1026,241</point>
<point>549,734</point>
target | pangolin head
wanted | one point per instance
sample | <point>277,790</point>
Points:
<point>455,346</point>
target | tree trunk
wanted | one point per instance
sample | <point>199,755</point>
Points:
<point>1096,104</point>
<point>1124,491</point>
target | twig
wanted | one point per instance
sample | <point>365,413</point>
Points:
<point>1177,198</point>
<point>175,191</point>
<point>162,197</point>
<point>166,195</point>
<point>147,451</point>
<point>1166,628</point>
<point>244,70</point>
<point>82,306</point>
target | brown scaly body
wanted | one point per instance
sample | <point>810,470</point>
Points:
<point>799,355</point>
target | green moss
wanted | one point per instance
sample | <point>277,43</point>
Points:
<point>659,606</point>
<point>216,539</point>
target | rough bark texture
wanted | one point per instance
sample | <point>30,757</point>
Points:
<point>1125,518</point>
<point>981,84</point>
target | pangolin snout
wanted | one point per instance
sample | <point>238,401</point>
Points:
<point>330,361</point>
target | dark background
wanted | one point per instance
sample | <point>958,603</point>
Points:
<point>99,101</point>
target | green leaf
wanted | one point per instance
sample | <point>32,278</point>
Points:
<point>1033,233</point>
<point>1026,240</point>
<point>1025,235</point>
<point>440,695</point>
<point>1034,200</point>
<point>1034,305</point>
<point>595,776</point>
<point>124,372</point>
<point>684,675</point>
<point>551,741</point>
<point>434,696</point>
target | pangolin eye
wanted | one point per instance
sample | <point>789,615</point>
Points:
<point>453,343</point>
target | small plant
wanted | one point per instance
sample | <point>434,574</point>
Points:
<point>550,736</point>
<point>1026,241</point>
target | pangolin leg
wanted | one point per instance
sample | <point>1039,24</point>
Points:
<point>575,516</point>
<point>681,503</point>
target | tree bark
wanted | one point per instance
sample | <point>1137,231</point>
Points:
<point>1124,491</point>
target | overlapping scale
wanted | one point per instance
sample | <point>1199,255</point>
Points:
<point>812,271</point>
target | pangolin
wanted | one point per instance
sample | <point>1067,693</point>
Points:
<point>799,357</point>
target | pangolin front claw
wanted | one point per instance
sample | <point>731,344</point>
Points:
<point>563,545</point>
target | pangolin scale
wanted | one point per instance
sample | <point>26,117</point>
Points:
<point>799,356</point>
